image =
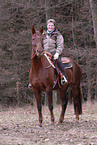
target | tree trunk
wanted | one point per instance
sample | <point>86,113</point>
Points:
<point>93,5</point>
<point>49,9</point>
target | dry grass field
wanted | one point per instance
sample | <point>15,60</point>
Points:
<point>19,126</point>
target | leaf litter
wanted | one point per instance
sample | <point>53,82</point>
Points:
<point>19,126</point>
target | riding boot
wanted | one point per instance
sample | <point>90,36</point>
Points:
<point>61,67</point>
<point>29,86</point>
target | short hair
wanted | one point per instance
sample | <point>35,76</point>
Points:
<point>51,21</point>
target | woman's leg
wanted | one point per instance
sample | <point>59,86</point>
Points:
<point>61,67</point>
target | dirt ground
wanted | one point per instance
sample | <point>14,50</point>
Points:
<point>19,126</point>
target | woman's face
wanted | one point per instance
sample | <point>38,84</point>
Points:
<point>50,26</point>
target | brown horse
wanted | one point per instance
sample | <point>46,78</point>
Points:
<point>42,78</point>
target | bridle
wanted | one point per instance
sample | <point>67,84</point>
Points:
<point>37,53</point>
<point>40,52</point>
<point>36,48</point>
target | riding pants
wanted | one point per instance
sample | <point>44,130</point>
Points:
<point>61,66</point>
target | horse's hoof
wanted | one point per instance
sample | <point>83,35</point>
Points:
<point>52,123</point>
<point>59,122</point>
<point>40,124</point>
<point>77,120</point>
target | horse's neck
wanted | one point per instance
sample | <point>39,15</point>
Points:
<point>36,64</point>
<point>40,63</point>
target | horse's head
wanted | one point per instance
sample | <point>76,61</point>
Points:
<point>37,42</point>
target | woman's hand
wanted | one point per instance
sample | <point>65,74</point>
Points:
<point>56,55</point>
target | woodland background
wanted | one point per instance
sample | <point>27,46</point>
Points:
<point>76,20</point>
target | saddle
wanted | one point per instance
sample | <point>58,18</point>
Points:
<point>66,62</point>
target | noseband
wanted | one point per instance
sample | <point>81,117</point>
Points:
<point>37,53</point>
<point>36,49</point>
<point>37,42</point>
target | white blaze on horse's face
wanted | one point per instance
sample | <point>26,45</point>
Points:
<point>39,48</point>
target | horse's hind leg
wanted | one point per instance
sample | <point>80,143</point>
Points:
<point>39,106</point>
<point>64,102</point>
<point>50,105</point>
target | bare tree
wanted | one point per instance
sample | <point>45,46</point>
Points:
<point>93,5</point>
<point>74,21</point>
<point>49,10</point>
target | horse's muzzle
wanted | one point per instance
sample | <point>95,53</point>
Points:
<point>39,52</point>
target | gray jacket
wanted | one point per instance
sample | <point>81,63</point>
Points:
<point>53,42</point>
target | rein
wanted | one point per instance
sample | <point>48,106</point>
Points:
<point>51,64</point>
<point>32,56</point>
<point>48,59</point>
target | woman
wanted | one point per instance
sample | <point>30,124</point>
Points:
<point>54,43</point>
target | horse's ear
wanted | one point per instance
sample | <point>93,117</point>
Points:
<point>33,30</point>
<point>41,30</point>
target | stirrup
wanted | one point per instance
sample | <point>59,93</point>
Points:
<point>64,80</point>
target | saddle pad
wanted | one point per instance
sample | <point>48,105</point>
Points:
<point>66,62</point>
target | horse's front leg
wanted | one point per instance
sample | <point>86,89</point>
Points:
<point>64,102</point>
<point>39,106</point>
<point>50,105</point>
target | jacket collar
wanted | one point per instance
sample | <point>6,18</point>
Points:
<point>50,32</point>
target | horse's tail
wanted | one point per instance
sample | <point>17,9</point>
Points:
<point>80,102</point>
<point>77,72</point>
